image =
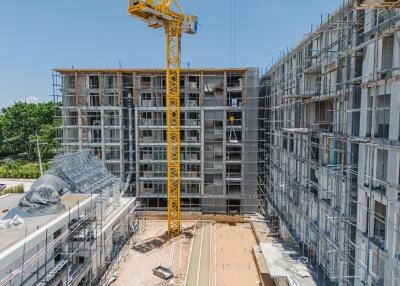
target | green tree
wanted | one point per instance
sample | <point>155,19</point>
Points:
<point>19,125</point>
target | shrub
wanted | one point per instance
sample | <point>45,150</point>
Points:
<point>23,171</point>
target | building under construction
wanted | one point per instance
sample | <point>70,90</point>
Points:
<point>122,116</point>
<point>332,155</point>
<point>74,241</point>
<point>313,143</point>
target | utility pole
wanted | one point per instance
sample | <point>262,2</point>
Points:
<point>39,156</point>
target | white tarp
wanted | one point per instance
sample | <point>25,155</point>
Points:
<point>10,223</point>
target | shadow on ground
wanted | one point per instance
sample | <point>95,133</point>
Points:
<point>157,242</point>
<point>151,244</point>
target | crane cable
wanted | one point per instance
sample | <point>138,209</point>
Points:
<point>232,32</point>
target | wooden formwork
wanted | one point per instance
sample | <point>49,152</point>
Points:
<point>198,216</point>
<point>376,4</point>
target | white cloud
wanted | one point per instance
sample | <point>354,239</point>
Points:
<point>32,100</point>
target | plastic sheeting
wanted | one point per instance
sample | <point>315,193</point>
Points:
<point>10,223</point>
<point>80,172</point>
<point>44,191</point>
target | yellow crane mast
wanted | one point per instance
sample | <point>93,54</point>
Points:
<point>158,13</point>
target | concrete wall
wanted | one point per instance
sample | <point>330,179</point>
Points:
<point>13,257</point>
<point>251,144</point>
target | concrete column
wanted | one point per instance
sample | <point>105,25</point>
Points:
<point>394,124</point>
<point>202,150</point>
<point>245,160</point>
<point>137,152</point>
<point>225,88</point>
<point>103,145</point>
<point>80,131</point>
<point>224,128</point>
<point>131,132</point>
<point>121,144</point>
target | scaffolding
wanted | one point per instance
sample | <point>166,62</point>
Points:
<point>330,132</point>
<point>219,131</point>
<point>88,248</point>
<point>309,144</point>
<point>84,173</point>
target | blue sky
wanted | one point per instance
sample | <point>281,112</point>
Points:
<point>40,35</point>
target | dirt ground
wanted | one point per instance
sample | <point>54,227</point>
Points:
<point>234,258</point>
<point>153,249</point>
<point>227,258</point>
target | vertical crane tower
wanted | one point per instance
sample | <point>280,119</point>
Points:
<point>158,13</point>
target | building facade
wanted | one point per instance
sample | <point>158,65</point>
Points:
<point>73,247</point>
<point>121,116</point>
<point>330,153</point>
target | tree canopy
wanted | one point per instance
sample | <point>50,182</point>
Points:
<point>19,125</point>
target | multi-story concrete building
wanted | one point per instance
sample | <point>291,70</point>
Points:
<point>121,116</point>
<point>74,242</point>
<point>332,156</point>
<point>95,116</point>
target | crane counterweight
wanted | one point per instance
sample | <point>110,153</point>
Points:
<point>191,24</point>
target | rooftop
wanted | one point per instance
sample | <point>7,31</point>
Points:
<point>10,237</point>
<point>155,70</point>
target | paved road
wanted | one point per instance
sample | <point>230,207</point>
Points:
<point>199,273</point>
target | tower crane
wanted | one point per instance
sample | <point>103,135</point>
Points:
<point>159,13</point>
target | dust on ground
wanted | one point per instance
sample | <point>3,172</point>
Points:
<point>234,258</point>
<point>151,249</point>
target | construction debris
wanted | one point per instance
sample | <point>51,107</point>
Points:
<point>163,272</point>
<point>10,223</point>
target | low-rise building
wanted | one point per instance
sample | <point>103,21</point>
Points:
<point>68,248</point>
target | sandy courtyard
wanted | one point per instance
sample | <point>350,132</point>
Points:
<point>152,249</point>
<point>234,258</point>
<point>223,253</point>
